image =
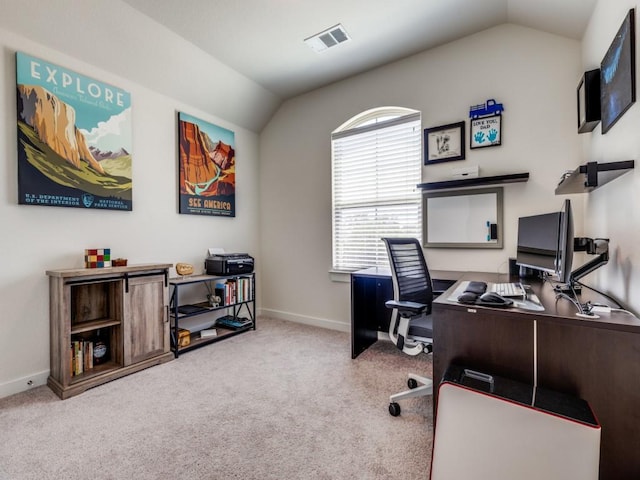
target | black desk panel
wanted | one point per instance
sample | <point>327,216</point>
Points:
<point>370,289</point>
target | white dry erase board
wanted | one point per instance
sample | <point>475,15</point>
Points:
<point>463,218</point>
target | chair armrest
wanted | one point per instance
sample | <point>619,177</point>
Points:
<point>406,308</point>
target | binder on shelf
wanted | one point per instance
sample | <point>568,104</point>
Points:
<point>188,309</point>
<point>233,323</point>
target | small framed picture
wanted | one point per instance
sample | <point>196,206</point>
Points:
<point>444,144</point>
<point>486,131</point>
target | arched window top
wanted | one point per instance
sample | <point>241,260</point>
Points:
<point>373,116</point>
<point>376,163</point>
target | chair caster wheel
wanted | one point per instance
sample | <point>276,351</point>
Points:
<point>394,409</point>
<point>412,383</point>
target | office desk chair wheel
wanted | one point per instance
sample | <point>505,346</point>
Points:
<point>412,383</point>
<point>394,409</point>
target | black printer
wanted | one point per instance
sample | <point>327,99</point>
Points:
<point>228,263</point>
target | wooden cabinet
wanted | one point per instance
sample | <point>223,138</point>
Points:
<point>106,323</point>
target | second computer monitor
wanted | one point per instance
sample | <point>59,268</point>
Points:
<point>545,242</point>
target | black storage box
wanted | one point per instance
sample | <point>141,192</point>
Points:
<point>228,264</point>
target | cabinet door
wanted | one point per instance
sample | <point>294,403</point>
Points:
<point>146,325</point>
<point>494,341</point>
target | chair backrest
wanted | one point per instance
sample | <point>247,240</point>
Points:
<point>411,279</point>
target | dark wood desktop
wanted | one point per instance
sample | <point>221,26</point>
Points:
<point>594,359</point>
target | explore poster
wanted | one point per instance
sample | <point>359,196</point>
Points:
<point>207,168</point>
<point>74,138</point>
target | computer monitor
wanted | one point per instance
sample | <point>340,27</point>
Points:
<point>545,243</point>
<point>565,245</point>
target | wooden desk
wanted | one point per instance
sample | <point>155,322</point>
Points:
<point>370,289</point>
<point>595,359</point>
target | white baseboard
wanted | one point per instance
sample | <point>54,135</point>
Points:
<point>23,384</point>
<point>307,320</point>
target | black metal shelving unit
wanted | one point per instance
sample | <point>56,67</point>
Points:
<point>203,308</point>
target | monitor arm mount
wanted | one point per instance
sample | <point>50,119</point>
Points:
<point>593,246</point>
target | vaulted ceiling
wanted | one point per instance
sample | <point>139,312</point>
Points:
<point>264,39</point>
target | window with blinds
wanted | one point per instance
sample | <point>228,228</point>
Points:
<point>375,170</point>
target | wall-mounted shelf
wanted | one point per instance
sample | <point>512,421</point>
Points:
<point>592,175</point>
<point>475,181</point>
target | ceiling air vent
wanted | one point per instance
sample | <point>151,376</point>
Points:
<point>329,38</point>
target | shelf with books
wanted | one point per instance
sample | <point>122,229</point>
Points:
<point>227,295</point>
<point>91,348</point>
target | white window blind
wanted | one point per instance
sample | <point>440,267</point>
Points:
<point>375,171</point>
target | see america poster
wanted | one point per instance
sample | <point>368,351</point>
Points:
<point>207,168</point>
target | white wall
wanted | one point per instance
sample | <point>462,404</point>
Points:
<point>34,238</point>
<point>533,73</point>
<point>612,211</point>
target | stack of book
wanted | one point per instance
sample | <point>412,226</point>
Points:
<point>81,355</point>
<point>235,290</point>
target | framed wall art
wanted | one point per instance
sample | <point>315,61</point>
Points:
<point>207,168</point>
<point>486,131</point>
<point>618,74</point>
<point>588,101</point>
<point>444,144</point>
<point>74,138</point>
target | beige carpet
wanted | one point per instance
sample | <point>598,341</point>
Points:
<point>283,402</point>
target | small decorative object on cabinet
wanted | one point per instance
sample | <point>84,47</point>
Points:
<point>97,257</point>
<point>589,101</point>
<point>184,269</point>
<point>106,324</point>
<point>231,293</point>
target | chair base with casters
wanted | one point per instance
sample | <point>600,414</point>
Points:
<point>425,388</point>
<point>409,338</point>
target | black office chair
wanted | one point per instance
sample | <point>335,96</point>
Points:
<point>411,328</point>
